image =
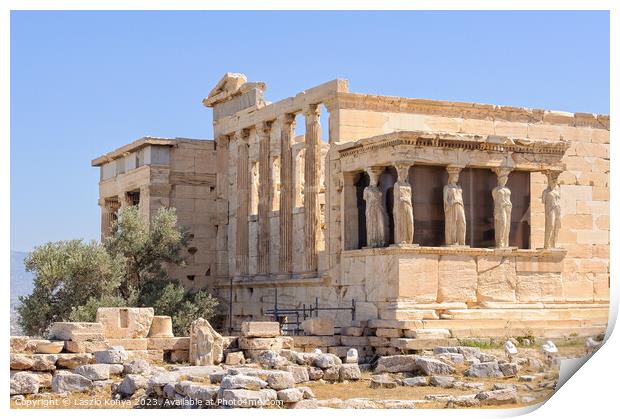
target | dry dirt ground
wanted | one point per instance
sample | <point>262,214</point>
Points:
<point>101,398</point>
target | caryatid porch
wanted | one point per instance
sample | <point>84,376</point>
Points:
<point>431,209</point>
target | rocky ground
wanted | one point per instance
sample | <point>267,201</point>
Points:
<point>448,377</point>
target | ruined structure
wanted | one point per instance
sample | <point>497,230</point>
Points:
<point>321,214</point>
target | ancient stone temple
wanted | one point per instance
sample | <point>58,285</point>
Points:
<point>462,215</point>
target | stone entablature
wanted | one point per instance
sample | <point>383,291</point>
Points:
<point>485,151</point>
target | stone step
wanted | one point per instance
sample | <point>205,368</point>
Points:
<point>548,332</point>
<point>501,323</point>
<point>528,314</point>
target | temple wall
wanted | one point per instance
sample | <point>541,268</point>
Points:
<point>584,186</point>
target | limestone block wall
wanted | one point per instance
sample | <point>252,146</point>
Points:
<point>584,185</point>
<point>193,193</point>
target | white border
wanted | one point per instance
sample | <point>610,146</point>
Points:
<point>593,391</point>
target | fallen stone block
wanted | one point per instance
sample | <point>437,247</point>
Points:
<point>24,383</point>
<point>300,373</point>
<point>322,326</point>
<point>350,372</point>
<point>49,347</point>
<point>94,372</point>
<point>21,362</point>
<point>484,370</point>
<point>260,329</point>
<point>279,380</point>
<point>168,344</point>
<point>18,343</point>
<point>113,355</point>
<point>331,373</point>
<point>131,383</point>
<point>382,381</point>
<point>86,346</point>
<point>443,381</point>
<point>270,359</point>
<point>129,344</point>
<point>76,331</point>
<point>415,381</point>
<point>125,322</point>
<point>235,358</point>
<point>497,397</point>
<point>71,361</point>
<point>315,373</point>
<point>266,344</point>
<point>242,381</point>
<point>44,362</point>
<point>65,381</point>
<point>324,361</point>
<point>396,363</point>
<point>431,366</point>
<point>291,395</point>
<point>138,366</point>
<point>509,369</point>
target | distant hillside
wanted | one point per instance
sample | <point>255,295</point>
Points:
<point>21,284</point>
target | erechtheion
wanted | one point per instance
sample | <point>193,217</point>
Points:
<point>461,216</point>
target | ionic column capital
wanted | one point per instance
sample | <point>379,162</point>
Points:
<point>312,111</point>
<point>263,129</point>
<point>286,119</point>
<point>241,136</point>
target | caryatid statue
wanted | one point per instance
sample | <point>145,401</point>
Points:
<point>551,200</point>
<point>454,209</point>
<point>403,207</point>
<point>502,209</point>
<point>376,215</point>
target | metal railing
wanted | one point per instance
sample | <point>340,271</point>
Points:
<point>298,315</point>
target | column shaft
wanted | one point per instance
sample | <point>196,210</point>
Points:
<point>287,133</point>
<point>264,199</point>
<point>243,176</point>
<point>312,169</point>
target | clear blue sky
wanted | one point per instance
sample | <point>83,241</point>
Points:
<point>84,83</point>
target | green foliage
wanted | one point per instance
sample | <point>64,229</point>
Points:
<point>67,273</point>
<point>73,278</point>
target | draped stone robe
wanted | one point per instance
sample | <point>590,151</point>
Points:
<point>502,212</point>
<point>454,210</point>
<point>403,213</point>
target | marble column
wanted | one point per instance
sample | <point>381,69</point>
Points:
<point>312,168</point>
<point>376,215</point>
<point>502,208</point>
<point>454,209</point>
<point>264,196</point>
<point>287,134</point>
<point>403,206</point>
<point>553,213</point>
<point>243,192</point>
